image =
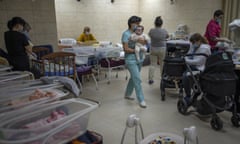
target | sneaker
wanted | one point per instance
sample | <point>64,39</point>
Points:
<point>129,98</point>
<point>150,82</point>
<point>143,104</point>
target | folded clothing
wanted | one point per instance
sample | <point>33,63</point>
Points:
<point>89,137</point>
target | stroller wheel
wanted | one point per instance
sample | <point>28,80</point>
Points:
<point>216,123</point>
<point>162,95</point>
<point>162,88</point>
<point>182,107</point>
<point>235,120</point>
<point>180,95</point>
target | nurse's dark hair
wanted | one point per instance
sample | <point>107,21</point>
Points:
<point>134,19</point>
<point>14,21</point>
<point>197,37</point>
<point>86,29</point>
<point>158,21</point>
<point>217,13</point>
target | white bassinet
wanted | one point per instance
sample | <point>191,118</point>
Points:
<point>73,124</point>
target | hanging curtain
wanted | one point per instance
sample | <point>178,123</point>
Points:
<point>231,10</point>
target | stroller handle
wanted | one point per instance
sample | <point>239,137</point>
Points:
<point>197,54</point>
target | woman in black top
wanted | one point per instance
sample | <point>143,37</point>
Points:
<point>17,45</point>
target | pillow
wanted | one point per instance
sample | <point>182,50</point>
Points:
<point>67,41</point>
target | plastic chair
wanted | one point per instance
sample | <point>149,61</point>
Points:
<point>112,61</point>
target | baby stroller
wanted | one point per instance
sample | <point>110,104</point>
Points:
<point>213,90</point>
<point>173,67</point>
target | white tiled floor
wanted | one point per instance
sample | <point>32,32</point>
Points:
<point>110,118</point>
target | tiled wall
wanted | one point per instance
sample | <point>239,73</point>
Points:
<point>40,14</point>
<point>108,21</point>
<point>194,13</point>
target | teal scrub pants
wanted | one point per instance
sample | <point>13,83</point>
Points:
<point>134,68</point>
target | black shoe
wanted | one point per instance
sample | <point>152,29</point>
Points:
<point>150,82</point>
<point>129,98</point>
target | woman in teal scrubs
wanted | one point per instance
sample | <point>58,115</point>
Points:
<point>133,65</point>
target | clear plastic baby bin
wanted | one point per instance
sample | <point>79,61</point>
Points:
<point>15,100</point>
<point>57,122</point>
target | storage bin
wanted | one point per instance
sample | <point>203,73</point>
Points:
<point>89,137</point>
<point>4,68</point>
<point>11,87</point>
<point>21,100</point>
<point>62,130</point>
<point>15,75</point>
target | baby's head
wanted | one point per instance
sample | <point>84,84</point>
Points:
<point>139,29</point>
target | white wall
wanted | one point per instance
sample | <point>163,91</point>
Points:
<point>108,21</point>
